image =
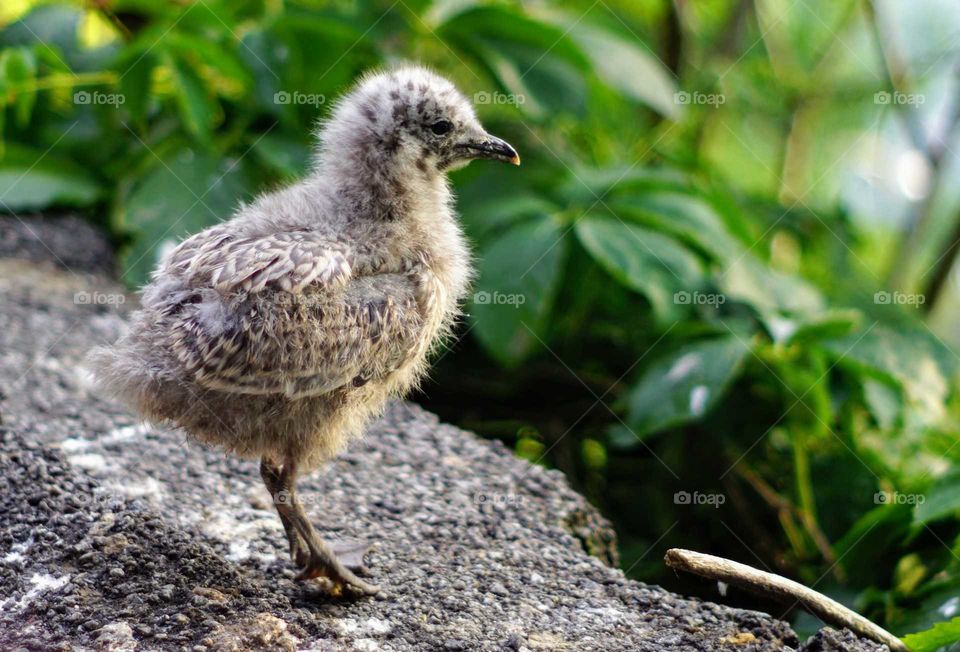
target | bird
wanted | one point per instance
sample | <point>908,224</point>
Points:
<point>279,333</point>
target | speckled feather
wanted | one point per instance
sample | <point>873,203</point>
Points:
<point>281,331</point>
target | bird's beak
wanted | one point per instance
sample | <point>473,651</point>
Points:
<point>487,146</point>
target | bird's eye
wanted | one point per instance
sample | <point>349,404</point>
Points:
<point>442,127</point>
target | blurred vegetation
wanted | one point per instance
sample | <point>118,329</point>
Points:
<point>718,294</point>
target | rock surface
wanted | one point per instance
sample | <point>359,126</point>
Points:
<point>120,536</point>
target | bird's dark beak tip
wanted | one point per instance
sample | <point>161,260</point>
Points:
<point>491,147</point>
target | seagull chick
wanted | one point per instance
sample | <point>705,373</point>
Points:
<point>279,333</point>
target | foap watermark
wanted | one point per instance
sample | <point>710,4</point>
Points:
<point>498,499</point>
<point>909,99</point>
<point>685,298</point>
<point>484,298</point>
<point>284,497</point>
<point>696,97</point>
<point>885,298</point>
<point>96,98</point>
<point>897,498</point>
<point>486,97</point>
<point>297,98</point>
<point>697,498</point>
<point>99,298</point>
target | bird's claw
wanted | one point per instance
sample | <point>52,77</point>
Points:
<point>340,579</point>
<point>350,553</point>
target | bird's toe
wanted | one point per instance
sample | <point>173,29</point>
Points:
<point>351,553</point>
<point>341,581</point>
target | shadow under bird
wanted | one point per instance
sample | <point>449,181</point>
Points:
<point>279,333</point>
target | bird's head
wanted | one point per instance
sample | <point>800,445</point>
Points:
<point>412,120</point>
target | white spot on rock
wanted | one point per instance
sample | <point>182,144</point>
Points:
<point>369,627</point>
<point>17,550</point>
<point>89,461</point>
<point>117,637</point>
<point>41,583</point>
<point>147,488</point>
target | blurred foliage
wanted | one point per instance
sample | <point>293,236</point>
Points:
<point>717,294</point>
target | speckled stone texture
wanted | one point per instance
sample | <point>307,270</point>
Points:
<point>118,536</point>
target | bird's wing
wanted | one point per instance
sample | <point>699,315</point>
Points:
<point>276,342</point>
<point>290,261</point>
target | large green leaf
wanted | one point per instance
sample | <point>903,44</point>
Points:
<point>811,327</point>
<point>18,70</point>
<point>288,155</point>
<point>941,635</point>
<point>768,290</point>
<point>33,180</point>
<point>186,193</point>
<point>537,64</point>
<point>225,62</point>
<point>643,260</point>
<point>634,71</point>
<point>885,402</point>
<point>196,103</point>
<point>909,359</point>
<point>684,385</point>
<point>685,216</point>
<point>519,274</point>
<point>500,24</point>
<point>941,500</point>
<point>489,215</point>
<point>136,72</point>
<point>588,184</point>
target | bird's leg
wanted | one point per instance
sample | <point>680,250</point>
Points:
<point>322,559</point>
<point>271,474</point>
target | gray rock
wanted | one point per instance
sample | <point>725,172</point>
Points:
<point>115,535</point>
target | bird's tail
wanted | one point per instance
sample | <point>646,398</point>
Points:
<point>124,373</point>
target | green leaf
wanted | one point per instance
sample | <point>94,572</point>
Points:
<point>519,275</point>
<point>768,290</point>
<point>135,83</point>
<point>938,636</point>
<point>635,72</point>
<point>197,107</point>
<point>884,402</point>
<point>18,69</point>
<point>686,217</point>
<point>809,328</point>
<point>642,260</point>
<point>32,180</point>
<point>488,215</point>
<point>586,184</point>
<point>940,501</point>
<point>905,358</point>
<point>685,385</point>
<point>498,24</point>
<point>867,546</point>
<point>224,62</point>
<point>536,63</point>
<point>285,154</point>
<point>188,192</point>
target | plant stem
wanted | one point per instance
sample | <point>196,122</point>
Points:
<point>780,589</point>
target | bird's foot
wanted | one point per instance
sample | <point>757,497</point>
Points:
<point>351,552</point>
<point>340,578</point>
